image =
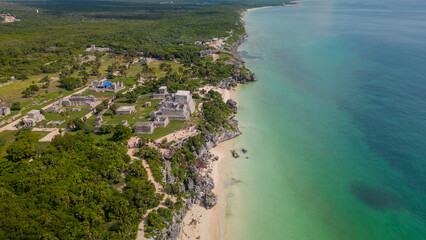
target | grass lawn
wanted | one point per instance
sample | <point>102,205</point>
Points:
<point>134,69</point>
<point>161,132</point>
<point>98,136</point>
<point>102,95</point>
<point>106,61</point>
<point>48,98</point>
<point>129,82</point>
<point>67,116</point>
<point>140,115</point>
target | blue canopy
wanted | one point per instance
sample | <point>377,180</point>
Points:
<point>107,84</point>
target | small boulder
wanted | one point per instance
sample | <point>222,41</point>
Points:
<point>209,200</point>
<point>232,105</point>
<point>235,154</point>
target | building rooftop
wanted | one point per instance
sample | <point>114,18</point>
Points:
<point>183,93</point>
<point>35,111</point>
<point>144,124</point>
<point>126,108</point>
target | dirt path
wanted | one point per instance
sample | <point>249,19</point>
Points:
<point>183,133</point>
<point>215,57</point>
<point>158,187</point>
<point>48,137</point>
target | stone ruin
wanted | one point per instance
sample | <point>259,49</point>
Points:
<point>144,127</point>
<point>105,86</point>
<point>33,118</point>
<point>4,111</point>
<point>178,106</point>
<point>93,48</point>
<point>161,93</point>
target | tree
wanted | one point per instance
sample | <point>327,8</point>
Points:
<point>121,133</point>
<point>104,129</point>
<point>113,108</point>
<point>163,66</point>
<point>145,69</point>
<point>123,71</point>
<point>23,146</point>
<point>20,150</point>
<point>71,83</point>
<point>76,124</point>
<point>132,97</point>
<point>154,70</point>
<point>16,106</point>
<point>100,108</point>
<point>120,95</point>
<point>30,90</point>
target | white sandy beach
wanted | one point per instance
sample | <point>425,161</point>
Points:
<point>211,224</point>
<point>252,9</point>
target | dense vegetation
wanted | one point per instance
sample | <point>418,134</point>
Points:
<point>216,111</point>
<point>47,42</point>
<point>68,192</point>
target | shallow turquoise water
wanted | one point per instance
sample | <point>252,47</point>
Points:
<point>335,125</point>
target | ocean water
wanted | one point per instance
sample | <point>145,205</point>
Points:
<point>335,125</point>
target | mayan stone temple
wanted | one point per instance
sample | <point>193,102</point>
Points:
<point>178,106</point>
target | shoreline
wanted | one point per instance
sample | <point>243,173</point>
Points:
<point>199,222</point>
<point>202,223</point>
<point>254,9</point>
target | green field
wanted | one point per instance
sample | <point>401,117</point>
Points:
<point>140,115</point>
<point>67,116</point>
<point>174,125</point>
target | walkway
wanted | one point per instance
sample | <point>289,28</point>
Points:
<point>158,187</point>
<point>179,135</point>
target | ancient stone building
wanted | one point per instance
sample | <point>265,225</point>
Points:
<point>178,106</point>
<point>4,111</point>
<point>161,93</point>
<point>33,118</point>
<point>55,108</point>
<point>185,97</point>
<point>93,48</point>
<point>161,122</point>
<point>125,110</point>
<point>87,101</point>
<point>144,127</point>
<point>105,86</point>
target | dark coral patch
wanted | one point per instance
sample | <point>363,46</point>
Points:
<point>376,198</point>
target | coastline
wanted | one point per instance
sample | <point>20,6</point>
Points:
<point>253,9</point>
<point>201,223</point>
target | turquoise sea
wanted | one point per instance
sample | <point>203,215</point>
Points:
<point>335,125</point>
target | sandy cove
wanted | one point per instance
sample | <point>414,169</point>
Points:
<point>200,223</point>
<point>252,9</point>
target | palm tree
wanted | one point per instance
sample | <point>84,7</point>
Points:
<point>123,71</point>
<point>145,69</point>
